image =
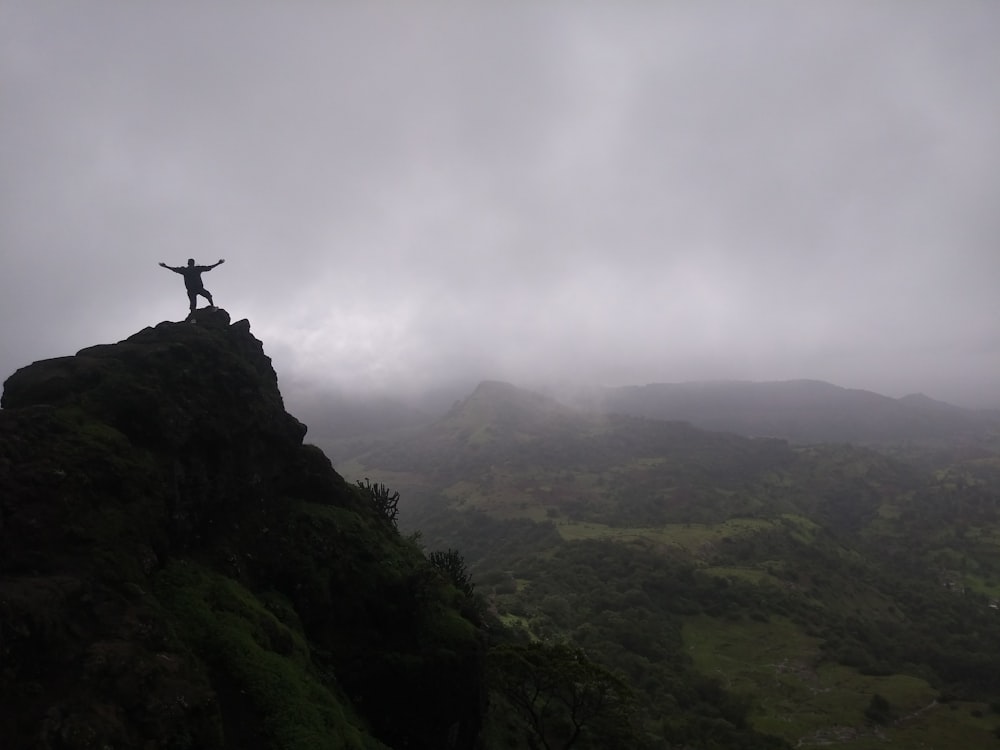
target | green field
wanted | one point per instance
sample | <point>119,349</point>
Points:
<point>690,537</point>
<point>813,703</point>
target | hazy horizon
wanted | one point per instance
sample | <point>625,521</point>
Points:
<point>594,193</point>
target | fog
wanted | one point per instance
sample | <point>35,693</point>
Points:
<point>607,193</point>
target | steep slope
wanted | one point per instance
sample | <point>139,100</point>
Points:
<point>177,570</point>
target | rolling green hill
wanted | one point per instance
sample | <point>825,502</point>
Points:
<point>746,588</point>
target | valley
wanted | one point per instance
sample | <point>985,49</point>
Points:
<point>751,591</point>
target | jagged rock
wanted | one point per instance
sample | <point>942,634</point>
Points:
<point>177,570</point>
<point>211,317</point>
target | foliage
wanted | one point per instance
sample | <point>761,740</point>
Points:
<point>621,536</point>
<point>268,662</point>
<point>563,698</point>
<point>625,604</point>
<point>384,501</point>
<point>879,710</point>
<point>384,624</point>
<point>452,564</point>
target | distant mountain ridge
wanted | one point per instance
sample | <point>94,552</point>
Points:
<point>511,443</point>
<point>803,411</point>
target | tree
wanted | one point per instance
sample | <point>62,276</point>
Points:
<point>564,699</point>
<point>879,710</point>
<point>382,499</point>
<point>452,564</point>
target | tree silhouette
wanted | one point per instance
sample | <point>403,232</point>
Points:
<point>452,564</point>
<point>564,699</point>
<point>382,499</point>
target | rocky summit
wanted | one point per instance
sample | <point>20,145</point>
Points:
<point>179,570</point>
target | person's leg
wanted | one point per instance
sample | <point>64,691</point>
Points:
<point>193,299</point>
<point>207,295</point>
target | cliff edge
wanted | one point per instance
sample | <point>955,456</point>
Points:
<point>178,570</point>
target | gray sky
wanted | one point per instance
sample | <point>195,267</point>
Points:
<point>607,192</point>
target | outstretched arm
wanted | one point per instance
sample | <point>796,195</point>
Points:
<point>221,261</point>
<point>171,268</point>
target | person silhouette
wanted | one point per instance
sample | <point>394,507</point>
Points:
<point>192,280</point>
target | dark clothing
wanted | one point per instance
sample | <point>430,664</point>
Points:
<point>193,296</point>
<point>192,276</point>
<point>192,281</point>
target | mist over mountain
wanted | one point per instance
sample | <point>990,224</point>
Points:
<point>805,411</point>
<point>612,324</point>
<point>801,411</point>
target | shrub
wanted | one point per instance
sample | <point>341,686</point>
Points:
<point>384,501</point>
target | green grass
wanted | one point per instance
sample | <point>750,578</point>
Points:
<point>751,575</point>
<point>812,703</point>
<point>227,624</point>
<point>800,527</point>
<point>945,726</point>
<point>981,585</point>
<point>692,537</point>
<point>516,622</point>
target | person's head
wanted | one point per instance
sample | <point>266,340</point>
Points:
<point>190,261</point>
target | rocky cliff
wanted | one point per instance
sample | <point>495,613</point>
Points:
<point>178,570</point>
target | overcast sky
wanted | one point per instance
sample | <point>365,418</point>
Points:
<point>609,192</point>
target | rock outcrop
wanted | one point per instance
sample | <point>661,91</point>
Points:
<point>178,570</point>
